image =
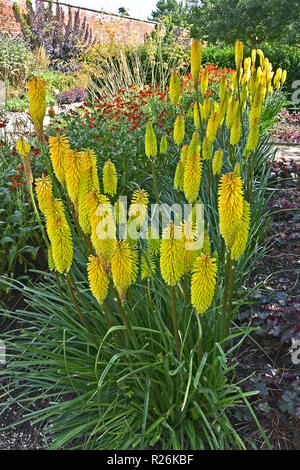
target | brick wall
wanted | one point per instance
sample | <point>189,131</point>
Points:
<point>8,21</point>
<point>104,26</point>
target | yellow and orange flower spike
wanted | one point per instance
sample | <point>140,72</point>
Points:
<point>174,89</point>
<point>60,236</point>
<point>37,104</point>
<point>121,268</point>
<point>192,176</point>
<point>150,141</point>
<point>171,254</point>
<point>98,280</point>
<point>43,187</point>
<point>90,165</point>
<point>179,130</point>
<point>59,147</point>
<point>231,206</point>
<point>203,282</point>
<point>196,59</point>
<point>110,180</point>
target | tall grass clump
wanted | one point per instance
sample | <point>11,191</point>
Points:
<point>131,334</point>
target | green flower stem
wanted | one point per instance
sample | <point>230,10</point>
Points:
<point>155,182</point>
<point>175,324</point>
<point>225,294</point>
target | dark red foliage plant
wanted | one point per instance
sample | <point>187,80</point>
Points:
<point>63,36</point>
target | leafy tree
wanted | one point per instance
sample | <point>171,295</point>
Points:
<point>252,21</point>
<point>172,9</point>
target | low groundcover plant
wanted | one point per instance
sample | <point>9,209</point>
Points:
<point>131,334</point>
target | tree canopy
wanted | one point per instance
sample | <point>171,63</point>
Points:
<point>173,9</point>
<point>252,21</point>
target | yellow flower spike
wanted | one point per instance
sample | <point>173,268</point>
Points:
<point>239,47</point>
<point>59,147</point>
<point>163,145</point>
<point>244,94</point>
<point>204,82</point>
<point>235,81</point>
<point>189,241</point>
<point>235,131</point>
<point>23,148</point>
<point>230,204</point>
<point>183,153</point>
<point>171,254</point>
<point>150,141</point>
<point>241,237</point>
<point>253,139</point>
<point>97,279</point>
<point>60,236</point>
<point>37,104</point>
<point>253,57</point>
<point>222,88</point>
<point>192,176</point>
<point>179,129</point>
<point>261,56</point>
<point>217,162</point>
<point>206,149</point>
<point>231,113</point>
<point>179,176</point>
<point>203,282</point>
<point>103,234</point>
<point>90,165</point>
<point>174,89</point>
<point>206,108</point>
<point>121,268</point>
<point>196,59</point>
<point>109,178</point>
<point>138,206</point>
<point>283,77</point>
<point>197,116</point>
<point>212,126</point>
<point>73,170</point>
<point>43,187</point>
<point>83,211</point>
<point>194,146</point>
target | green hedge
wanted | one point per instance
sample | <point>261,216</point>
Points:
<point>284,56</point>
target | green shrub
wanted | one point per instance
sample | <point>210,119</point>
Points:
<point>15,60</point>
